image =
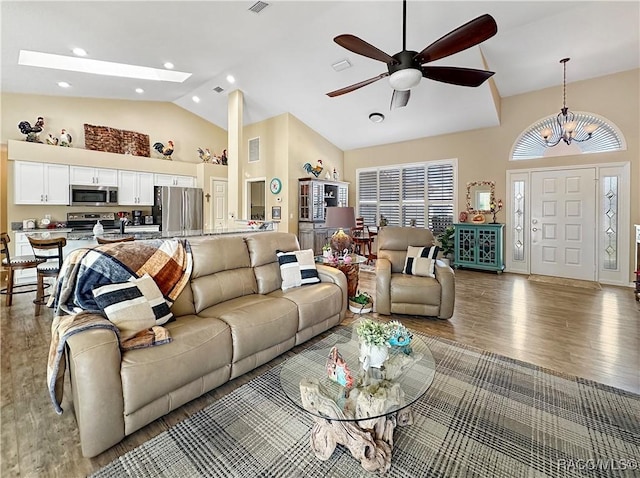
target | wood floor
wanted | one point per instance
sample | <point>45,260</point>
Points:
<point>591,333</point>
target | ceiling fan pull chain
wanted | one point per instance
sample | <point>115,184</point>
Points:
<point>404,25</point>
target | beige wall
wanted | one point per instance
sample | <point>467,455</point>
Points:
<point>484,154</point>
<point>161,121</point>
<point>307,146</point>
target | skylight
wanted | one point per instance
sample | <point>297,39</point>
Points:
<point>98,67</point>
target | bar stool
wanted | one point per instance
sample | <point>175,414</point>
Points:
<point>13,264</point>
<point>104,240</point>
<point>51,265</point>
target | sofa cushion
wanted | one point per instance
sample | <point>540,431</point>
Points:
<point>222,286</point>
<point>262,250</point>
<point>257,322</point>
<point>421,261</point>
<point>297,268</point>
<point>200,346</point>
<point>315,303</point>
<point>415,289</point>
<point>216,254</point>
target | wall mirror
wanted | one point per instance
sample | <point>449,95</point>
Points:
<point>480,195</point>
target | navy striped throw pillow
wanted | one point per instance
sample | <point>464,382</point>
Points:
<point>421,261</point>
<point>297,268</point>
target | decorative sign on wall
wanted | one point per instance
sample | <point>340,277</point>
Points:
<point>113,140</point>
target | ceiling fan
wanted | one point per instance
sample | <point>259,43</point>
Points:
<point>405,69</point>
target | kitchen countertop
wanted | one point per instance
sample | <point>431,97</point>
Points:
<point>88,235</point>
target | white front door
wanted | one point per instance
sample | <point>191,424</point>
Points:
<point>563,223</point>
<point>219,209</point>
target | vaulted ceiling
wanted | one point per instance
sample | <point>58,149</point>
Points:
<point>282,57</point>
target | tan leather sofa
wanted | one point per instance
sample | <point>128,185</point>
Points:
<point>231,318</point>
<point>398,293</point>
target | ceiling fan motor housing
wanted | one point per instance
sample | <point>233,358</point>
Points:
<point>406,72</point>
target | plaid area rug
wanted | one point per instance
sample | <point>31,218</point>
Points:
<point>484,416</point>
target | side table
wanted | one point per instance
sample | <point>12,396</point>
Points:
<point>350,269</point>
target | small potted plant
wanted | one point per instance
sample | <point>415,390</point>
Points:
<point>362,303</point>
<point>447,243</point>
<point>374,342</point>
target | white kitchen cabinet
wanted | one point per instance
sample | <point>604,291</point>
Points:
<point>174,180</point>
<point>135,188</point>
<point>41,183</point>
<point>87,176</point>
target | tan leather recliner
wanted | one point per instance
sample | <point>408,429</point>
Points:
<point>399,293</point>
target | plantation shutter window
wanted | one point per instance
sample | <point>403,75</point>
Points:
<point>420,195</point>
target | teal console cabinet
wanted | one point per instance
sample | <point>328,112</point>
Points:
<point>479,246</point>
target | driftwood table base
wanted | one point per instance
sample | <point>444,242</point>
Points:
<point>369,441</point>
<point>371,447</point>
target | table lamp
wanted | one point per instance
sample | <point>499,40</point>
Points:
<point>340,218</point>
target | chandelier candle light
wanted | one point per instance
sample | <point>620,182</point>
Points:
<point>567,129</point>
<point>340,218</point>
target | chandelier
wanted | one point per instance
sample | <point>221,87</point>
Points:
<point>567,128</point>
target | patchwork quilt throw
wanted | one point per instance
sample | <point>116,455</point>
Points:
<point>167,261</point>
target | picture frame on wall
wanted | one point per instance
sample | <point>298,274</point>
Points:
<point>276,213</point>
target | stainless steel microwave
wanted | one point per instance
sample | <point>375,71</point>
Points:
<point>93,195</point>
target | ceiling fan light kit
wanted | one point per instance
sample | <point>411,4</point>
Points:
<point>566,128</point>
<point>406,68</point>
<point>403,80</point>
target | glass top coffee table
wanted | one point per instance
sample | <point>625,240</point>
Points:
<point>361,417</point>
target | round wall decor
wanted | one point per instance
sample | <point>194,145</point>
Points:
<point>275,186</point>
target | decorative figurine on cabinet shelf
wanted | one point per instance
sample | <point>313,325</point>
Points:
<point>337,369</point>
<point>315,170</point>
<point>32,132</point>
<point>223,159</point>
<point>336,176</point>
<point>495,209</point>
<point>204,155</point>
<point>51,140</point>
<point>65,139</point>
<point>165,151</point>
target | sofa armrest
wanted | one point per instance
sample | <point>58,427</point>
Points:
<point>446,277</point>
<point>383,286</point>
<point>331,274</point>
<point>94,368</point>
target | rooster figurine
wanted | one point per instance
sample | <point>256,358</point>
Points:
<point>65,139</point>
<point>32,132</point>
<point>167,151</point>
<point>315,170</point>
<point>205,156</point>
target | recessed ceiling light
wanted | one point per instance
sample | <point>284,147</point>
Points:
<point>168,65</point>
<point>63,84</point>
<point>98,67</point>
<point>376,117</point>
<point>196,99</point>
<point>139,91</point>
<point>231,79</point>
<point>79,52</point>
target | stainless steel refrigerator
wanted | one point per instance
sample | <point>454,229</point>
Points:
<point>178,211</point>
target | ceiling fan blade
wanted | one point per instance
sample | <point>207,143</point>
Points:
<point>361,47</point>
<point>470,34</point>
<point>399,99</point>
<point>456,76</point>
<point>349,89</point>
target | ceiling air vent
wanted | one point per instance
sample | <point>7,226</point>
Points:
<point>258,7</point>
<point>218,89</point>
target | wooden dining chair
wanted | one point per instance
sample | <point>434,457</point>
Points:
<point>12,264</point>
<point>361,238</point>
<point>49,250</point>
<point>105,240</point>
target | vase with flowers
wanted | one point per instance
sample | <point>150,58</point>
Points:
<point>374,343</point>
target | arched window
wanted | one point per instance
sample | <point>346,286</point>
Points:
<point>530,145</point>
